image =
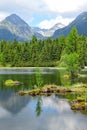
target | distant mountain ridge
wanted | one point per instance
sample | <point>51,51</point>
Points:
<point>14,27</point>
<point>80,22</point>
<point>48,32</point>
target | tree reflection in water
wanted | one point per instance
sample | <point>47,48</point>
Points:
<point>38,106</point>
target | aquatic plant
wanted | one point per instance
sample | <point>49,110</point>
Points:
<point>11,82</point>
<point>39,79</point>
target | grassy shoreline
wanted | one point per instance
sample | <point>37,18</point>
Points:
<point>59,68</point>
<point>31,68</point>
<point>76,94</point>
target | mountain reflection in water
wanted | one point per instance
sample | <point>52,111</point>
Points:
<point>12,102</point>
<point>55,114</point>
<point>38,113</point>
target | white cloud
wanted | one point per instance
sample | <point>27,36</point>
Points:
<point>46,24</point>
<point>3,113</point>
<point>29,8</point>
<point>56,103</point>
<point>43,5</point>
<point>64,5</point>
<point>23,8</point>
<point>3,15</point>
<point>21,4</point>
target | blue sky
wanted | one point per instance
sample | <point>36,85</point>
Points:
<point>43,13</point>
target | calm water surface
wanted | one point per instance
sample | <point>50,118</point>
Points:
<point>40,113</point>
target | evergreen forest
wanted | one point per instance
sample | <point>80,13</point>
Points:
<point>65,50</point>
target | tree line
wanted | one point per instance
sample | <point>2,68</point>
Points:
<point>70,50</point>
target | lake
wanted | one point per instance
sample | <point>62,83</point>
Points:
<point>38,113</point>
